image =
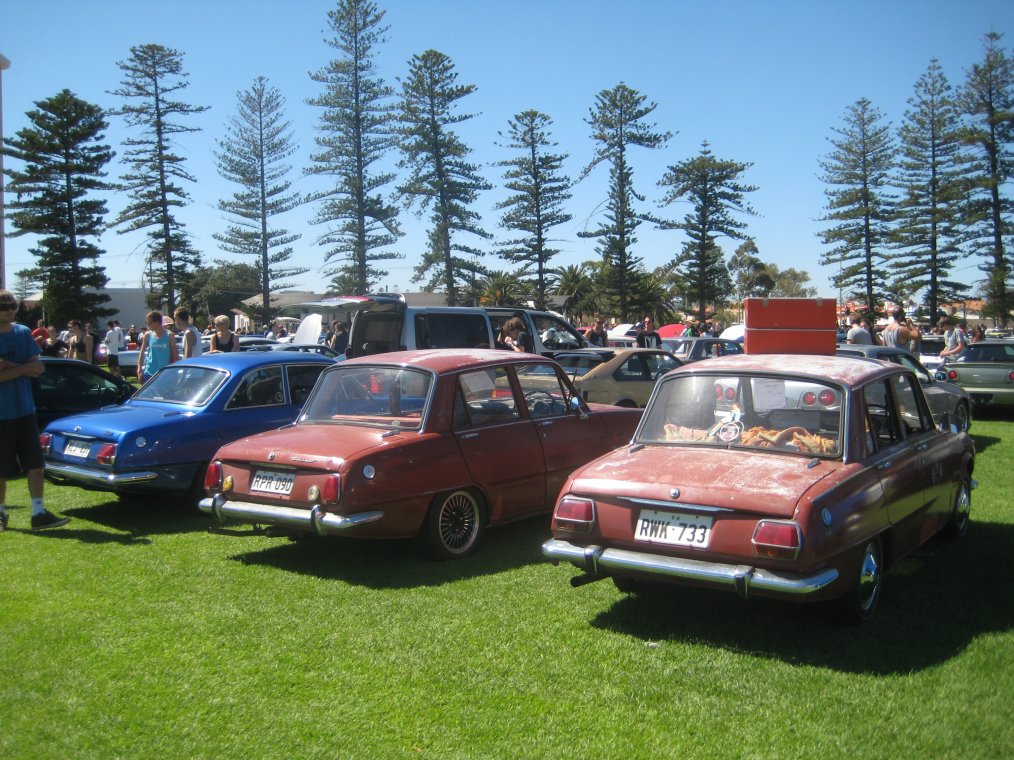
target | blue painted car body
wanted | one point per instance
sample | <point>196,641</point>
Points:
<point>160,441</point>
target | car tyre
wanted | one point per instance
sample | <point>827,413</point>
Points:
<point>957,526</point>
<point>859,604</point>
<point>454,525</point>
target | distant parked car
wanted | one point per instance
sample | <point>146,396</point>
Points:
<point>696,348</point>
<point>71,386</point>
<point>161,440</point>
<point>729,484</point>
<point>307,348</point>
<point>128,358</point>
<point>437,444</point>
<point>984,369</point>
<point>943,398</point>
<point>617,376</point>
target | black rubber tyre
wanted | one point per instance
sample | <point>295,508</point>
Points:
<point>859,604</point>
<point>963,416</point>
<point>454,525</point>
<point>957,526</point>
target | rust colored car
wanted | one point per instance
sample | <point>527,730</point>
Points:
<point>798,477</point>
<point>436,444</point>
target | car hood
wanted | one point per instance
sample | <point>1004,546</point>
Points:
<point>112,420</point>
<point>749,481</point>
<point>308,444</point>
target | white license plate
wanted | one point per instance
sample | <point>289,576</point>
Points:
<point>673,528</point>
<point>77,449</point>
<point>273,482</point>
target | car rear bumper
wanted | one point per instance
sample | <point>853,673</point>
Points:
<point>59,471</point>
<point>313,519</point>
<point>744,579</point>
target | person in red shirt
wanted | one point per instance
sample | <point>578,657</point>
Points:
<point>40,333</point>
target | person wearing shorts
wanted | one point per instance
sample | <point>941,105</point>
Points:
<point>19,434</point>
<point>114,340</point>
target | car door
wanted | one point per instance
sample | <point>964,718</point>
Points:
<point>498,443</point>
<point>897,463</point>
<point>562,431</point>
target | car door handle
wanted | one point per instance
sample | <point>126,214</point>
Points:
<point>883,465</point>
<point>470,435</point>
<point>545,423</point>
<point>922,447</point>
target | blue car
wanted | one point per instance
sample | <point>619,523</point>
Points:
<point>161,440</point>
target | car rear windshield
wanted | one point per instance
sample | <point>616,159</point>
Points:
<point>749,411</point>
<point>392,397</point>
<point>178,384</point>
<point>577,366</point>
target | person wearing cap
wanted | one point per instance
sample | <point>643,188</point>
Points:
<point>19,433</point>
<point>646,335</point>
<point>157,349</point>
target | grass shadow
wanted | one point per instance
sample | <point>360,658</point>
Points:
<point>399,563</point>
<point>935,603</point>
<point>148,517</point>
<point>983,442</point>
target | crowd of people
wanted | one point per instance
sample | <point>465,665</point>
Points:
<point>902,332</point>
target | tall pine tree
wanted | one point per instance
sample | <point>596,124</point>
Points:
<point>152,77</point>
<point>617,123</point>
<point>930,177</point>
<point>356,134</point>
<point>53,197</point>
<point>440,179</point>
<point>988,101</point>
<point>716,194</point>
<point>536,204</point>
<point>858,173</point>
<point>253,156</point>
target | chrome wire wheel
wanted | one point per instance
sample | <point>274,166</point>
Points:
<point>963,417</point>
<point>870,577</point>
<point>957,526</point>
<point>454,525</point>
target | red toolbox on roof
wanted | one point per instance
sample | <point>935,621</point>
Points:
<point>790,326</point>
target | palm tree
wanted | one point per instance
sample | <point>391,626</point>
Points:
<point>501,288</point>
<point>576,286</point>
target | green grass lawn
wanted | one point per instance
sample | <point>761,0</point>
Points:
<point>134,633</point>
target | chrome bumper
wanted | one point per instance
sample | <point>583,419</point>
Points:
<point>97,476</point>
<point>322,523</point>
<point>741,578</point>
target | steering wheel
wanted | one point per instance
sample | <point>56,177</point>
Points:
<point>540,402</point>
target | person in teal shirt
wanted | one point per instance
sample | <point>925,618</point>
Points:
<point>158,348</point>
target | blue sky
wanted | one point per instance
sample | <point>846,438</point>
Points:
<point>762,82</point>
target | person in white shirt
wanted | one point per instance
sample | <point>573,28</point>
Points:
<point>191,335</point>
<point>114,342</point>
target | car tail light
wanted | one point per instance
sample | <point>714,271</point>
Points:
<point>718,391</point>
<point>573,513</point>
<point>332,489</point>
<point>46,442</point>
<point>778,539</point>
<point>953,375</point>
<point>826,398</point>
<point>730,394</point>
<point>213,477</point>
<point>809,398</point>
<point>107,454</point>
<point>1010,376</point>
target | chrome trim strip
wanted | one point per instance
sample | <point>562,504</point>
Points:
<point>82,473</point>
<point>740,578</point>
<point>674,505</point>
<point>313,519</point>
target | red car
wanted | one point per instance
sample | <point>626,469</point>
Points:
<point>437,444</point>
<point>798,477</point>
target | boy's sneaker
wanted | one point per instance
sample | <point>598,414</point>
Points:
<point>4,517</point>
<point>47,519</point>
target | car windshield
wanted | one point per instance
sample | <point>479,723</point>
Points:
<point>393,397</point>
<point>745,411</point>
<point>178,384</point>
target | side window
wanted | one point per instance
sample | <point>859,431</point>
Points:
<point>302,378</point>
<point>438,330</point>
<point>376,333</point>
<point>484,397</point>
<point>881,422</point>
<point>913,416</point>
<point>544,392</point>
<point>262,387</point>
<point>555,333</point>
<point>632,369</point>
<point>919,370</point>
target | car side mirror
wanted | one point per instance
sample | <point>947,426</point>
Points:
<point>577,407</point>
